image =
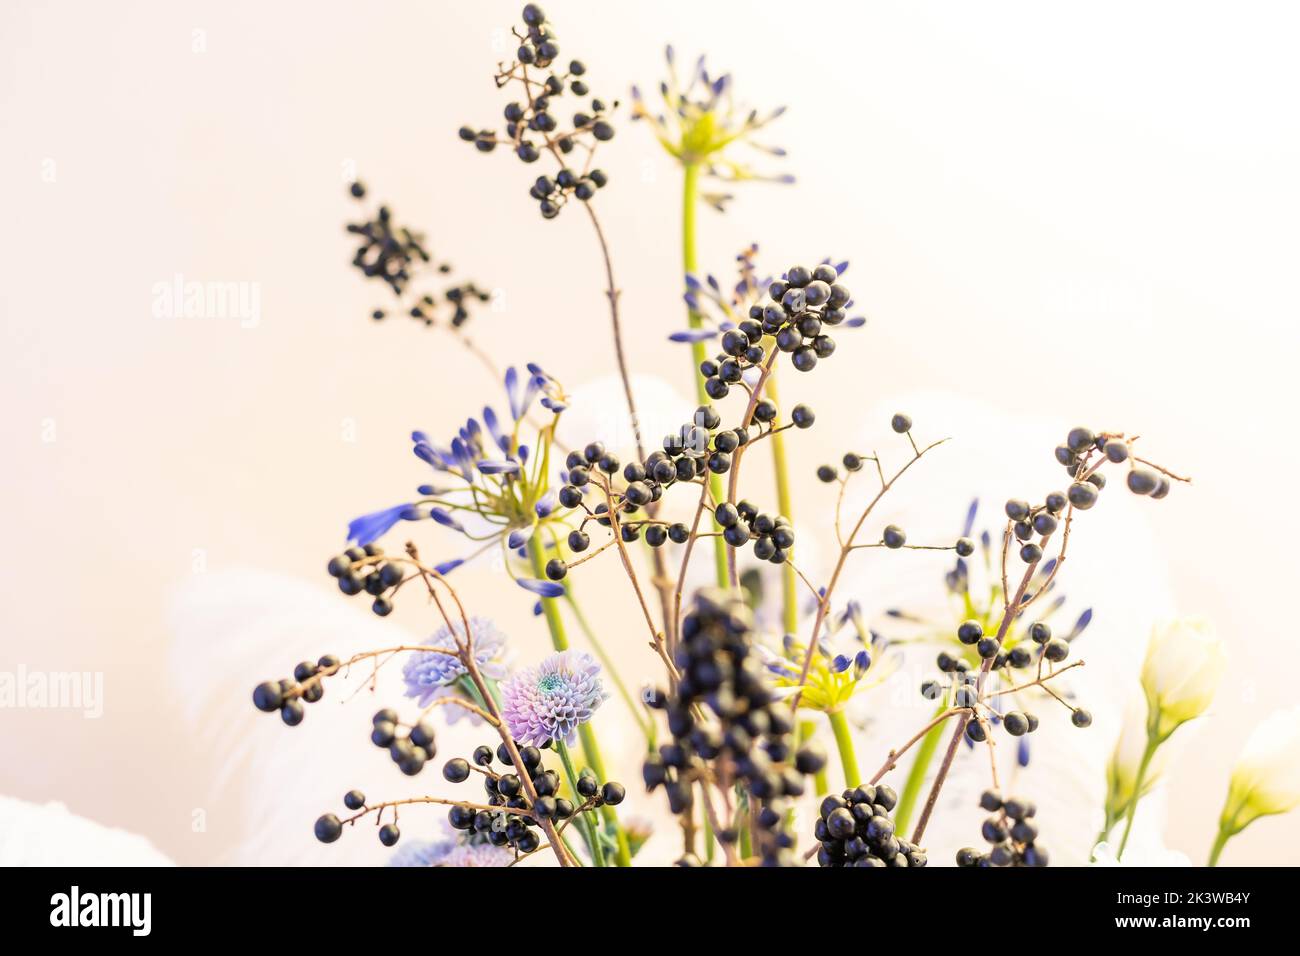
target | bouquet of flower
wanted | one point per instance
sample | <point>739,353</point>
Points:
<point>747,683</point>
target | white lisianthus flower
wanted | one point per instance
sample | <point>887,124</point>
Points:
<point>1266,779</point>
<point>1184,664</point>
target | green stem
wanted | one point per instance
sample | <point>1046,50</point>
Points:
<point>710,843</point>
<point>588,828</point>
<point>916,776</point>
<point>1227,830</point>
<point>784,504</point>
<point>590,749</point>
<point>806,730</point>
<point>844,741</point>
<point>690,202</point>
<point>1220,842</point>
<point>746,840</point>
<point>646,725</point>
<point>1147,754</point>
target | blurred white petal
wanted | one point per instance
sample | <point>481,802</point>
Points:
<point>598,412</point>
<point>49,834</point>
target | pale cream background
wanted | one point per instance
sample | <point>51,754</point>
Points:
<point>1080,213</point>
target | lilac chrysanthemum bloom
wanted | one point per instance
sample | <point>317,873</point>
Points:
<point>430,675</point>
<point>549,701</point>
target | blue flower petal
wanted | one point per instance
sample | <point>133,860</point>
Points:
<point>546,589</point>
<point>512,393</point>
<point>1084,620</point>
<point>692,335</point>
<point>449,566</point>
<point>498,466</point>
<point>443,517</point>
<point>369,528</point>
<point>861,664</point>
<point>519,536</point>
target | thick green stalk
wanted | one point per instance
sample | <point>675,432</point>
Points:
<point>916,776</point>
<point>690,202</point>
<point>844,741</point>
<point>589,833</point>
<point>590,749</point>
<point>1147,754</point>
<point>784,504</point>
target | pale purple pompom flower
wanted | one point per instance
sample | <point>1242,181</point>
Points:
<point>450,853</point>
<point>549,701</point>
<point>429,675</point>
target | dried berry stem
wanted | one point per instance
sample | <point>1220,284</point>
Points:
<point>823,607</point>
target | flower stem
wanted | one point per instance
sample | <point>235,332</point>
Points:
<point>588,828</point>
<point>1147,754</point>
<point>590,749</point>
<point>916,776</point>
<point>690,201</point>
<point>844,741</point>
<point>646,725</point>
<point>1219,843</point>
<point>784,504</point>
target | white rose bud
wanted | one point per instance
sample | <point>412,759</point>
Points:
<point>1266,778</point>
<point>1184,664</point>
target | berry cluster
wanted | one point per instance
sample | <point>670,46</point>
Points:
<point>388,252</point>
<point>1082,455</point>
<point>410,751</point>
<point>363,570</point>
<point>288,695</point>
<point>698,448</point>
<point>855,829</point>
<point>749,743</point>
<point>1010,830</point>
<point>965,686</point>
<point>537,115</point>
<point>773,535</point>
<point>458,296</point>
<point>329,827</point>
<point>506,790</point>
<point>397,255</point>
<point>552,193</point>
<point>803,302</point>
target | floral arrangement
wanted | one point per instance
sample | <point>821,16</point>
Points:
<point>746,687</point>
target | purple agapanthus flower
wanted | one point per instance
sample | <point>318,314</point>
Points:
<point>429,675</point>
<point>485,473</point>
<point>547,702</point>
